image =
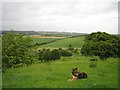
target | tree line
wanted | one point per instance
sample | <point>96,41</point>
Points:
<point>46,55</point>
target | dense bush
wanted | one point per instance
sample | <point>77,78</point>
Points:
<point>55,54</point>
<point>15,50</point>
<point>70,47</point>
<point>101,44</point>
<point>65,53</point>
<point>46,55</point>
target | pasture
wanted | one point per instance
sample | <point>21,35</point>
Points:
<point>42,40</point>
<point>76,42</point>
<point>36,39</point>
<point>55,74</point>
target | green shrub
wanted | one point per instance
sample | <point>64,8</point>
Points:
<point>55,54</point>
<point>47,55</point>
<point>65,53</point>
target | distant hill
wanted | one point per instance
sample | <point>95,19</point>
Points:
<point>64,34</point>
<point>21,32</point>
<point>46,33</point>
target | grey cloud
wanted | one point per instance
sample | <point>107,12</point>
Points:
<point>60,15</point>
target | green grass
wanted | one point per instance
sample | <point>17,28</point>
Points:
<point>42,40</point>
<point>76,42</point>
<point>56,74</point>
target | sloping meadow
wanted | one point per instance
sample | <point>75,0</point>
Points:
<point>55,74</point>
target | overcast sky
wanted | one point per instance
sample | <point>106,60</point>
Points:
<point>83,16</point>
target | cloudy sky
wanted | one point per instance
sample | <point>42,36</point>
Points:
<point>83,16</point>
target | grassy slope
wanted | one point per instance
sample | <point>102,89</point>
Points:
<point>76,42</point>
<point>42,40</point>
<point>56,74</point>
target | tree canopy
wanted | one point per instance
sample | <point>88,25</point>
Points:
<point>15,49</point>
<point>101,44</point>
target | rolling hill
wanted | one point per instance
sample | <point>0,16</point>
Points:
<point>76,42</point>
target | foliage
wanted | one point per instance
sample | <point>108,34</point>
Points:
<point>55,54</point>
<point>47,55</point>
<point>70,47</point>
<point>76,51</point>
<point>64,53</point>
<point>101,44</point>
<point>98,36</point>
<point>15,50</point>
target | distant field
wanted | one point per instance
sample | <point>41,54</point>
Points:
<point>76,42</point>
<point>56,74</point>
<point>39,36</point>
<point>38,39</point>
<point>42,40</point>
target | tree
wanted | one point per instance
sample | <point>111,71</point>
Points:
<point>14,49</point>
<point>101,44</point>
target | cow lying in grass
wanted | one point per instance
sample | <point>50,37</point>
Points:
<point>77,75</point>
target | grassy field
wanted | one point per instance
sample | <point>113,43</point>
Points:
<point>76,42</point>
<point>55,74</point>
<point>42,40</point>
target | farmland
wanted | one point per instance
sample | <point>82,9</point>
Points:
<point>76,42</point>
<point>57,42</point>
<point>43,40</point>
<point>55,74</point>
